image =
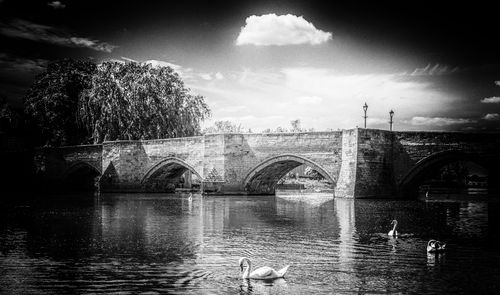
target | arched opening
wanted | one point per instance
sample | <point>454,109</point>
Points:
<point>81,177</point>
<point>170,175</point>
<point>449,174</point>
<point>264,178</point>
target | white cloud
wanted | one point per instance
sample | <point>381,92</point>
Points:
<point>41,33</point>
<point>494,99</point>
<point>272,29</point>
<point>189,75</point>
<point>205,76</point>
<point>309,100</point>
<point>492,117</point>
<point>56,5</point>
<point>128,59</point>
<point>160,63</point>
<point>435,70</point>
<point>438,121</point>
<point>219,76</point>
<point>211,76</point>
<point>93,44</point>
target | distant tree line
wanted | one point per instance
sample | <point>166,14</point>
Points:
<point>230,127</point>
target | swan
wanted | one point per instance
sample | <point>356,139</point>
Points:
<point>190,198</point>
<point>435,246</point>
<point>261,273</point>
<point>393,232</point>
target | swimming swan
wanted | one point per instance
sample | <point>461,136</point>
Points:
<point>261,273</point>
<point>393,232</point>
<point>435,246</point>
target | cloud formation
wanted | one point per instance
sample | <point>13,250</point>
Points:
<point>9,63</point>
<point>160,63</point>
<point>325,98</point>
<point>494,99</point>
<point>435,70</point>
<point>23,29</point>
<point>56,5</point>
<point>272,29</point>
<point>438,121</point>
<point>492,117</point>
<point>188,74</point>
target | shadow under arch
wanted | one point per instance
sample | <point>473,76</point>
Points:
<point>165,174</point>
<point>81,176</point>
<point>408,186</point>
<point>263,178</point>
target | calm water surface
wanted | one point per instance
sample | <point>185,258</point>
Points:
<point>151,244</point>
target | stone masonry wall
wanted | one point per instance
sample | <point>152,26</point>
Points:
<point>384,158</point>
<point>346,183</point>
<point>363,162</point>
<point>374,175</point>
<point>243,152</point>
<point>127,162</point>
<point>214,162</point>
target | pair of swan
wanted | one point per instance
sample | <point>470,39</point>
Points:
<point>432,245</point>
<point>266,273</point>
<point>261,273</point>
<point>435,246</point>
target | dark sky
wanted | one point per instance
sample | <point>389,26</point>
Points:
<point>450,49</point>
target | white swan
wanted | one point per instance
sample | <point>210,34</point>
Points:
<point>261,273</point>
<point>190,198</point>
<point>435,246</point>
<point>393,232</point>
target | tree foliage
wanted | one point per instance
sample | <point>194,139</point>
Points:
<point>139,101</point>
<point>10,120</point>
<point>295,127</point>
<point>224,127</point>
<point>52,101</point>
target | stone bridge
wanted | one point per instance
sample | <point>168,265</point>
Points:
<point>360,163</point>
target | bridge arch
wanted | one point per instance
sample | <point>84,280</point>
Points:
<point>165,174</point>
<point>81,176</point>
<point>263,178</point>
<point>408,186</point>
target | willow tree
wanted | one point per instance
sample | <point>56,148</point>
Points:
<point>129,101</point>
<point>51,103</point>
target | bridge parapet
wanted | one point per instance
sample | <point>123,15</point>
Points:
<point>358,162</point>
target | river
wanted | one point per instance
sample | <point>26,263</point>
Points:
<point>157,244</point>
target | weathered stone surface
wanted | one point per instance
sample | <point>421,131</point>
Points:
<point>359,163</point>
<point>346,183</point>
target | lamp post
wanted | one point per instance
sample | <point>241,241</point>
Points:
<point>365,108</point>
<point>391,114</point>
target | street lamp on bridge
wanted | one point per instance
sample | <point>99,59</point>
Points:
<point>391,114</point>
<point>365,108</point>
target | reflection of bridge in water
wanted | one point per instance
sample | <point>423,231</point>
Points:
<point>358,162</point>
